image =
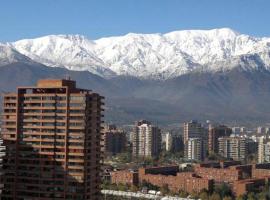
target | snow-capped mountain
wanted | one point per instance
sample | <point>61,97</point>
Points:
<point>159,56</point>
<point>9,55</point>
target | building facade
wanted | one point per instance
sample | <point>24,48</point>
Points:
<point>264,150</point>
<point>195,134</point>
<point>193,129</point>
<point>146,140</point>
<point>214,133</point>
<point>127,177</point>
<point>233,148</point>
<point>114,140</point>
<point>195,149</point>
<point>52,135</point>
<point>169,141</point>
<point>2,154</point>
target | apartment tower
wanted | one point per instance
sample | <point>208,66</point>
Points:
<point>114,140</point>
<point>214,133</point>
<point>264,150</point>
<point>146,140</point>
<point>233,147</point>
<point>52,136</point>
<point>195,130</point>
<point>195,149</point>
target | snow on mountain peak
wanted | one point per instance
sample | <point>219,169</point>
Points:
<point>145,55</point>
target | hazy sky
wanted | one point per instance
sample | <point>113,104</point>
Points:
<point>99,18</point>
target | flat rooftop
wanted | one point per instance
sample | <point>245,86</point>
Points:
<point>56,83</point>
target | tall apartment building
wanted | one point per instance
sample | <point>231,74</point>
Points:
<point>173,143</point>
<point>195,149</point>
<point>2,153</point>
<point>114,140</point>
<point>52,136</point>
<point>193,129</point>
<point>264,150</point>
<point>168,141</point>
<point>233,147</point>
<point>214,133</point>
<point>146,140</point>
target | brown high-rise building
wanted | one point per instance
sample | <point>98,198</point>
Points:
<point>52,138</point>
<point>214,133</point>
<point>193,129</point>
<point>114,140</point>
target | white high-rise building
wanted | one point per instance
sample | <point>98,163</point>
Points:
<point>233,147</point>
<point>195,150</point>
<point>2,153</point>
<point>168,141</point>
<point>146,140</point>
<point>264,150</point>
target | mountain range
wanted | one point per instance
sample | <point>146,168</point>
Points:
<point>216,74</point>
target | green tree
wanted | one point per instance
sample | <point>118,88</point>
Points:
<point>183,194</point>
<point>227,198</point>
<point>223,190</point>
<point>204,195</point>
<point>263,195</point>
<point>251,196</point>
<point>164,189</point>
<point>122,187</point>
<point>241,197</point>
<point>215,196</point>
<point>194,195</point>
<point>134,188</point>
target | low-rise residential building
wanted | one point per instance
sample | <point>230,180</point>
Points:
<point>128,177</point>
<point>176,181</point>
<point>246,186</point>
<point>226,172</point>
<point>240,178</point>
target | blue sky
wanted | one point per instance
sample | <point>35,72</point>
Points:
<point>100,18</point>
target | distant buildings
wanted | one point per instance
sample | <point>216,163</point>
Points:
<point>146,140</point>
<point>262,130</point>
<point>173,143</point>
<point>264,150</point>
<point>193,129</point>
<point>52,136</point>
<point>233,148</point>
<point>195,149</point>
<point>114,140</point>
<point>214,133</point>
<point>195,139</point>
<point>168,141</point>
<point>236,130</point>
<point>2,153</point>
